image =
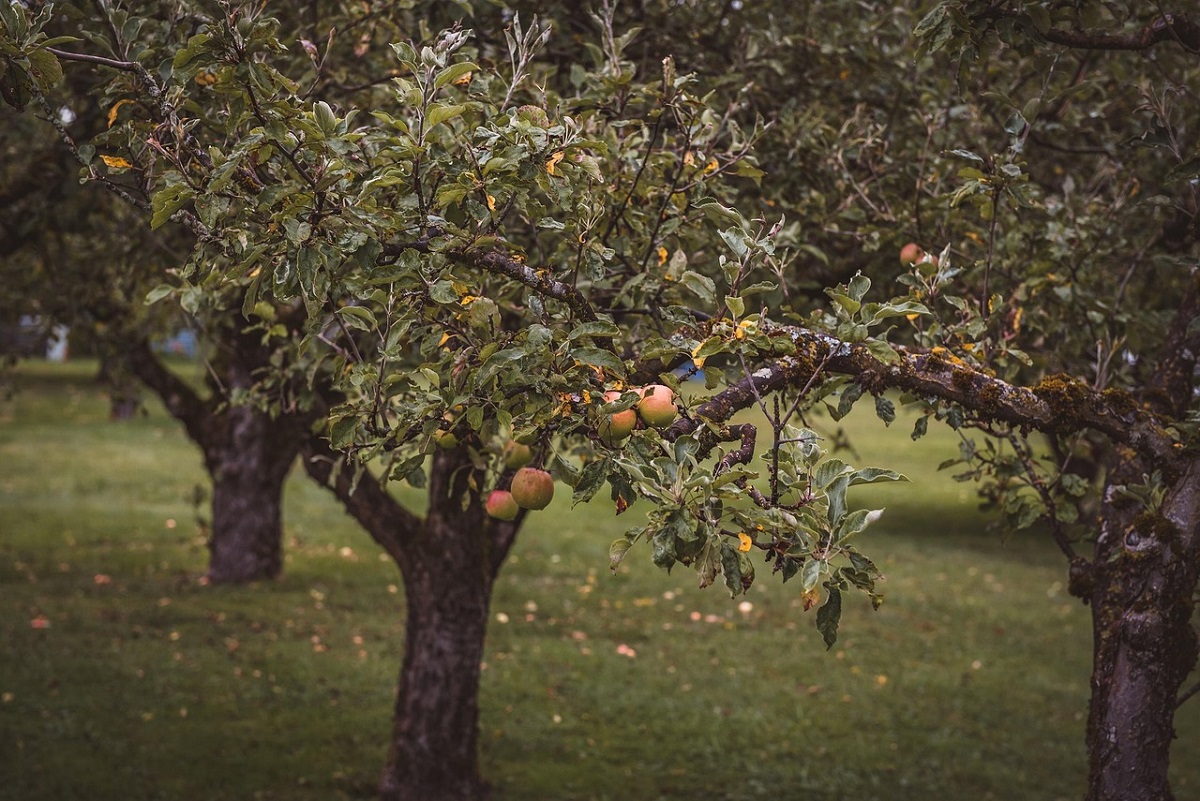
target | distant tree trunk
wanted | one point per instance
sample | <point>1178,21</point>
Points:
<point>247,453</point>
<point>449,562</point>
<point>1144,646</point>
<point>123,396</point>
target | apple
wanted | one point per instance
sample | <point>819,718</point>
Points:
<point>517,455</point>
<point>446,440</point>
<point>657,406</point>
<point>616,427</point>
<point>911,253</point>
<point>501,505</point>
<point>532,488</point>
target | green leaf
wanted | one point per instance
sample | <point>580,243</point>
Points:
<point>701,286</point>
<point>591,481</point>
<point>882,351</point>
<point>617,551</point>
<point>167,201</point>
<point>731,568</point>
<point>829,615</point>
<point>829,470</point>
<point>45,69</point>
<point>158,293</point>
<point>341,432</point>
<point>600,328</point>
<point>598,357</point>
<point>439,113</point>
<point>870,475</point>
<point>885,409</point>
<point>453,73</point>
<point>810,574</point>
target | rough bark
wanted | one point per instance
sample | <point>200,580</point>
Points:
<point>1144,646</point>
<point>449,562</point>
<point>248,455</point>
<point>247,452</point>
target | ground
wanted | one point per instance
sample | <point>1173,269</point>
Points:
<point>125,678</point>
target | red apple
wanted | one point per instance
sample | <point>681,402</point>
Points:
<point>911,253</point>
<point>532,488</point>
<point>501,505</point>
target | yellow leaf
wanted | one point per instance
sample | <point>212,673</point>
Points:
<point>116,162</point>
<point>663,253</point>
<point>711,166</point>
<point>553,160</point>
<point>491,201</point>
<point>112,112</point>
<point>689,159</point>
<point>744,542</point>
<point>463,79</point>
<point>206,78</point>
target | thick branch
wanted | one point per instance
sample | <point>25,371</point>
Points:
<point>1058,405</point>
<point>368,502</point>
<point>1166,28</point>
<point>182,402</point>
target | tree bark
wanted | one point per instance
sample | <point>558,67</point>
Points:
<point>1144,646</point>
<point>247,453</point>
<point>449,562</point>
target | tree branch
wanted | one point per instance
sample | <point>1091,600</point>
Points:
<point>182,402</point>
<point>502,264</point>
<point>1057,405</point>
<point>365,499</point>
<point>1166,28</point>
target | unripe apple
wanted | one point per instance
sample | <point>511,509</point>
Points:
<point>501,505</point>
<point>911,253</point>
<point>446,440</point>
<point>615,427</point>
<point>657,406</point>
<point>517,455</point>
<point>532,488</point>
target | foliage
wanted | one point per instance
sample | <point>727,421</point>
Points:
<point>500,234</point>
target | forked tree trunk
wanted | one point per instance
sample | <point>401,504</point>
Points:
<point>1144,647</point>
<point>247,453</point>
<point>449,562</point>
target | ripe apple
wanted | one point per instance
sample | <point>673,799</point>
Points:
<point>657,406</point>
<point>532,488</point>
<point>501,505</point>
<point>517,455</point>
<point>615,427</point>
<point>911,253</point>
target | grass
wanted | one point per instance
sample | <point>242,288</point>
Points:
<point>970,683</point>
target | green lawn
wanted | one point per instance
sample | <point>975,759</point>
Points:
<point>122,677</point>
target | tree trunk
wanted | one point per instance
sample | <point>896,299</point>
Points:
<point>433,755</point>
<point>1144,647</point>
<point>449,562</point>
<point>247,453</point>
<point>449,570</point>
<point>248,457</point>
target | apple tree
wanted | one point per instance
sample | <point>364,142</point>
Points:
<point>482,245</point>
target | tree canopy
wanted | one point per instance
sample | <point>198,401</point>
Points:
<point>508,230</point>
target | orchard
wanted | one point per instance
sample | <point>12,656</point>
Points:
<point>492,256</point>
